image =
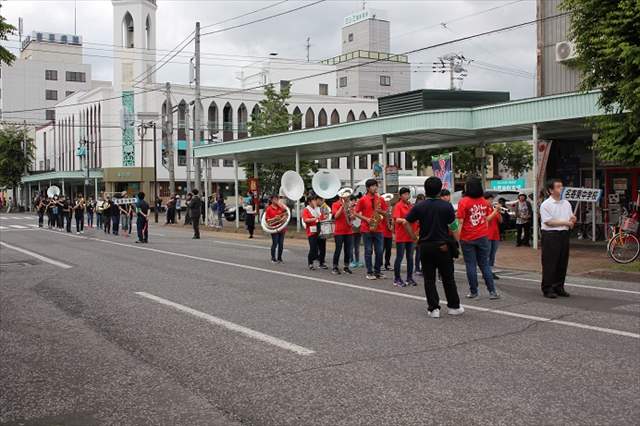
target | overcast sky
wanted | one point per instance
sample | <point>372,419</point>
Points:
<point>505,61</point>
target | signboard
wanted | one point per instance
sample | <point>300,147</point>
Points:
<point>507,184</point>
<point>442,166</point>
<point>377,173</point>
<point>393,181</point>
<point>619,184</point>
<point>543,156</point>
<point>588,195</point>
<point>358,16</point>
<point>119,201</point>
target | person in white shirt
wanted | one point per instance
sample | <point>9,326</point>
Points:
<point>557,218</point>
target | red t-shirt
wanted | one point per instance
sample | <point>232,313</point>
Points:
<point>400,211</point>
<point>494,228</point>
<point>312,227</point>
<point>365,208</point>
<point>342,228</point>
<point>386,232</point>
<point>473,212</point>
<point>271,212</point>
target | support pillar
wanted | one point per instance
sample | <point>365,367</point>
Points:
<point>384,163</point>
<point>536,224</point>
<point>28,203</point>
<point>63,193</point>
<point>95,188</point>
<point>235,181</point>
<point>351,166</point>
<point>594,205</point>
<point>207,178</point>
<point>298,221</point>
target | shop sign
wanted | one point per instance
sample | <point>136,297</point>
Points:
<point>588,195</point>
<point>619,184</point>
<point>393,181</point>
<point>507,184</point>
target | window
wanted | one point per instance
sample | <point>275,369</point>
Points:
<point>51,95</point>
<point>79,77</point>
<point>68,93</point>
<point>76,40</point>
<point>52,37</point>
<point>343,82</point>
<point>285,84</point>
<point>182,157</point>
<point>323,89</point>
<point>385,80</point>
<point>51,75</point>
<point>227,163</point>
<point>362,162</point>
<point>408,161</point>
<point>50,115</point>
<point>39,36</point>
<point>63,39</point>
<point>215,163</point>
<point>350,36</point>
<point>374,158</point>
<point>322,164</point>
<point>335,163</point>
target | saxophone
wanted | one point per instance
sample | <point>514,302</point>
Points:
<point>390,218</point>
<point>377,215</point>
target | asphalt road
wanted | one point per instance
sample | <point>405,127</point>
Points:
<point>98,330</point>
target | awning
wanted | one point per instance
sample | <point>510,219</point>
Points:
<point>59,176</point>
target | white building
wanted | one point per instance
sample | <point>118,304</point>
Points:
<point>120,161</point>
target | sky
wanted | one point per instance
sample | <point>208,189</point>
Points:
<point>503,61</point>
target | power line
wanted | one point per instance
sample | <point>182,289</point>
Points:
<point>245,14</point>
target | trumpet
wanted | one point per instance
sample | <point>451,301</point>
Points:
<point>501,208</point>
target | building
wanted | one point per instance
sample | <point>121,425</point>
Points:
<point>366,38</point>
<point>105,121</point>
<point>48,69</point>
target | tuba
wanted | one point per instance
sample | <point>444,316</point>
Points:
<point>292,187</point>
<point>53,191</point>
<point>326,184</point>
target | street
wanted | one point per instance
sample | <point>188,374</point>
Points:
<point>98,330</point>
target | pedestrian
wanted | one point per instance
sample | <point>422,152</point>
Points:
<point>505,223</point>
<point>371,209</point>
<point>115,216</point>
<point>312,216</point>
<point>66,213</point>
<point>418,263</point>
<point>387,234</point>
<point>220,206</point>
<point>78,211</point>
<point>187,213</point>
<point>170,210</point>
<point>91,207</point>
<point>437,222</point>
<point>178,207</point>
<point>250,216</point>
<point>342,212</point>
<point>356,222</point>
<point>493,224</point>
<point>142,221</point>
<point>99,212</point>
<point>323,209</point>
<point>473,213</point>
<point>106,214</point>
<point>404,241</point>
<point>276,208</point>
<point>124,217</point>
<point>51,219</point>
<point>157,206</point>
<point>523,221</point>
<point>557,219</point>
<point>40,209</point>
<point>195,210</point>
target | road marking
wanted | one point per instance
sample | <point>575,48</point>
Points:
<point>3,227</point>
<point>36,255</point>
<point>18,226</point>
<point>229,243</point>
<point>34,225</point>
<point>373,290</point>
<point>617,290</point>
<point>283,344</point>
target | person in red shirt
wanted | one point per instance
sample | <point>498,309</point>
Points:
<point>473,214</point>
<point>369,204</point>
<point>404,242</point>
<point>387,234</point>
<point>311,216</point>
<point>343,231</point>
<point>275,208</point>
<point>493,235</point>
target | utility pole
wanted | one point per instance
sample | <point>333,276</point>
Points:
<point>308,46</point>
<point>197,109</point>
<point>155,172</point>
<point>169,141</point>
<point>451,65</point>
<point>188,135</point>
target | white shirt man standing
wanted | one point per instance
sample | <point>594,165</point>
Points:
<point>557,218</point>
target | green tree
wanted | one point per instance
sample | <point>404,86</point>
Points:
<point>14,156</point>
<point>516,157</point>
<point>272,118</point>
<point>607,37</point>
<point>5,30</point>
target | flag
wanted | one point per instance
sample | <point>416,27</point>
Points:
<point>442,166</point>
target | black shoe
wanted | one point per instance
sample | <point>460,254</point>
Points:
<point>387,268</point>
<point>335,271</point>
<point>550,295</point>
<point>562,293</point>
<point>323,266</point>
<point>312,268</point>
<point>495,277</point>
<point>347,270</point>
<point>139,242</point>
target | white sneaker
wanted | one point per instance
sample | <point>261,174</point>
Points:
<point>434,314</point>
<point>458,311</point>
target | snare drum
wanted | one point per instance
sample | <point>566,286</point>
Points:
<point>327,228</point>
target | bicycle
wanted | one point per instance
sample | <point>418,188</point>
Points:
<point>623,245</point>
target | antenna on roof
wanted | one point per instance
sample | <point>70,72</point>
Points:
<point>308,46</point>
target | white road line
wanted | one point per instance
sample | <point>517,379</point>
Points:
<point>229,243</point>
<point>36,255</point>
<point>18,226</point>
<point>591,287</point>
<point>3,227</point>
<point>34,225</point>
<point>373,290</point>
<point>283,344</point>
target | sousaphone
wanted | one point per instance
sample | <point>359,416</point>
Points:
<point>292,187</point>
<point>53,191</point>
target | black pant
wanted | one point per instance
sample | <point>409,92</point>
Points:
<point>436,256</point>
<point>143,229</point>
<point>79,221</point>
<point>195,221</point>
<point>115,224</point>
<point>51,219</point>
<point>520,227</point>
<point>387,244</point>
<point>250,221</point>
<point>322,250</point>
<point>314,251</point>
<point>106,222</point>
<point>277,243</point>
<point>40,218</point>
<point>345,241</point>
<point>67,217</point>
<point>555,258</point>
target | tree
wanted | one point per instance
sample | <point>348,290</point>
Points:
<point>15,158</point>
<point>516,157</point>
<point>606,34</point>
<point>5,30</point>
<point>273,117</point>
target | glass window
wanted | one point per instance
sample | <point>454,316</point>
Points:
<point>50,75</point>
<point>52,37</point>
<point>408,161</point>
<point>63,39</point>
<point>68,93</point>
<point>385,80</point>
<point>50,114</point>
<point>335,163</point>
<point>51,95</point>
<point>285,84</point>
<point>362,162</point>
<point>76,76</point>
<point>182,157</point>
<point>227,163</point>
<point>76,40</point>
<point>343,82</point>
<point>350,36</point>
<point>322,164</point>
<point>323,89</point>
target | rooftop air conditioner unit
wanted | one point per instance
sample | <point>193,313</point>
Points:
<point>566,51</point>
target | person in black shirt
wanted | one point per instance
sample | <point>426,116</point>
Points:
<point>142,221</point>
<point>194,207</point>
<point>40,208</point>
<point>437,218</point>
<point>106,214</point>
<point>66,212</point>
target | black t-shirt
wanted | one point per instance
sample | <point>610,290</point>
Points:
<point>435,216</point>
<point>144,208</point>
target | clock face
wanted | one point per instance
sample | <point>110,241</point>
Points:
<point>127,148</point>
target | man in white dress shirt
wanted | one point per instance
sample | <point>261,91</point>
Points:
<point>557,218</point>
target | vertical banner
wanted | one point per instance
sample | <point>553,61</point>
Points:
<point>442,166</point>
<point>393,181</point>
<point>543,157</point>
<point>128,135</point>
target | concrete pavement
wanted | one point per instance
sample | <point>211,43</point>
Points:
<point>81,344</point>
